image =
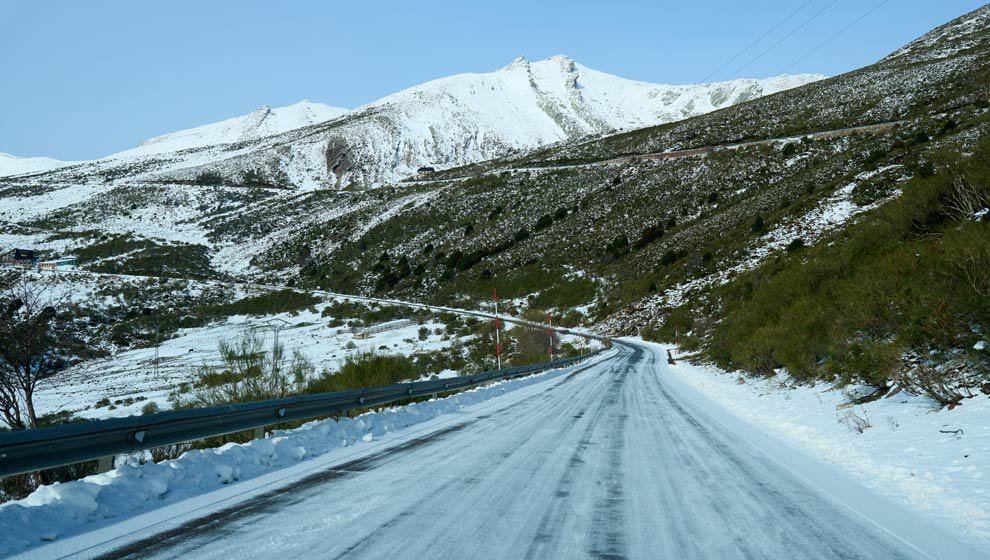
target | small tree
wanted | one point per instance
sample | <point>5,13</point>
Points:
<point>209,178</point>
<point>250,373</point>
<point>758,225</point>
<point>31,349</point>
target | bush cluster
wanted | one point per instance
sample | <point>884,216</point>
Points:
<point>913,278</point>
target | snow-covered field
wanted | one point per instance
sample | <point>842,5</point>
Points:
<point>131,374</point>
<point>933,462</point>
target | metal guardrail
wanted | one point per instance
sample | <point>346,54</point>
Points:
<point>32,450</point>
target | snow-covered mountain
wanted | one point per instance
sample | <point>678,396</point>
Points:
<point>444,123</point>
<point>13,165</point>
<point>468,118</point>
<point>262,122</point>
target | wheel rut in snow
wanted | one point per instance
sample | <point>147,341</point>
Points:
<point>608,541</point>
<point>533,461</point>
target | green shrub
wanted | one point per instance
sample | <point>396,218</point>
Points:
<point>365,370</point>
<point>209,178</point>
<point>250,372</point>
<point>911,276</point>
<point>269,303</point>
<point>149,408</point>
<point>649,235</point>
<point>758,225</point>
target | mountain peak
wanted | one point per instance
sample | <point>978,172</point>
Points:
<point>517,62</point>
<point>263,121</point>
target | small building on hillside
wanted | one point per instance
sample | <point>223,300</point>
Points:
<point>61,263</point>
<point>19,257</point>
<point>425,170</point>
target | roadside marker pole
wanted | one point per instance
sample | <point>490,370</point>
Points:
<point>498,340</point>
<point>550,334</point>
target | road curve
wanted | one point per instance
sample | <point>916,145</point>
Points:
<point>602,463</point>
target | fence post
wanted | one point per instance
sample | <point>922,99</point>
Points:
<point>104,464</point>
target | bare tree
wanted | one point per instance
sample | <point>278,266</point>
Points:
<point>29,346</point>
<point>973,263</point>
<point>963,200</point>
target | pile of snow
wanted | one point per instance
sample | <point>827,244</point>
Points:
<point>61,510</point>
<point>13,165</point>
<point>934,463</point>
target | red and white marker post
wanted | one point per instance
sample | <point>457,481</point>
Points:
<point>498,340</point>
<point>550,334</point>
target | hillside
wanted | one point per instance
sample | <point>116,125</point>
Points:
<point>667,242</point>
<point>13,165</point>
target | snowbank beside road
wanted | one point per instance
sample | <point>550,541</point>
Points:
<point>61,510</point>
<point>936,464</point>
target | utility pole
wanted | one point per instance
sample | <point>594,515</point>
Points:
<point>498,339</point>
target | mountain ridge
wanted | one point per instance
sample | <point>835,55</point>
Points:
<point>451,121</point>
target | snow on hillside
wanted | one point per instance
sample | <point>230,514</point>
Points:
<point>13,165</point>
<point>130,376</point>
<point>966,32</point>
<point>262,122</point>
<point>469,118</point>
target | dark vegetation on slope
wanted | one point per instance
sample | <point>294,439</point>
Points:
<point>899,298</point>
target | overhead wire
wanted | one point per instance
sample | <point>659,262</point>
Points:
<point>786,37</point>
<point>756,41</point>
<point>836,36</point>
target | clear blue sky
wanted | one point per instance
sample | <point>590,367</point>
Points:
<point>84,79</point>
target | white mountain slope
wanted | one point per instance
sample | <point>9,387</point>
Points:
<point>449,122</point>
<point>262,122</point>
<point>468,118</point>
<point>13,165</point>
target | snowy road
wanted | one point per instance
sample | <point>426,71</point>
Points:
<point>608,462</point>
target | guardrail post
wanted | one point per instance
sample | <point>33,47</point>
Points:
<point>259,432</point>
<point>104,464</point>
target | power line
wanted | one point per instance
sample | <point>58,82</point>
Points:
<point>786,37</point>
<point>834,37</point>
<point>754,43</point>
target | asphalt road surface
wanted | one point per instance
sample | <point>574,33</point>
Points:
<point>606,462</point>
